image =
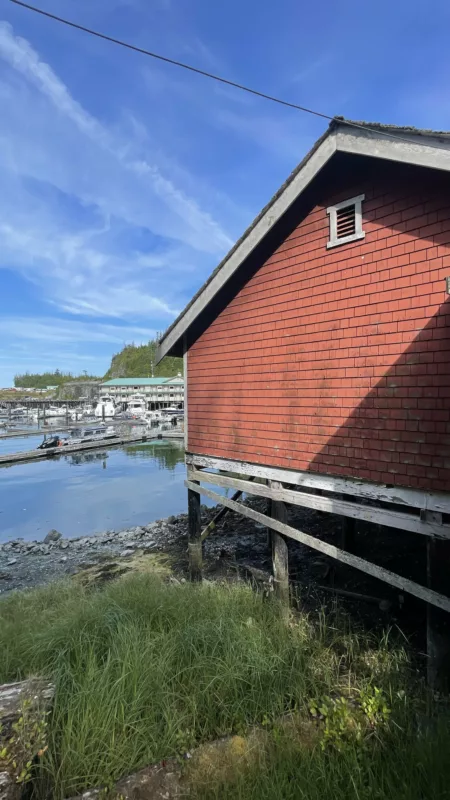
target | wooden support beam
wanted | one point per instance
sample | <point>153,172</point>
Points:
<point>416,498</point>
<point>280,561</point>
<point>438,622</point>
<point>194,527</point>
<point>404,584</point>
<point>348,531</point>
<point>220,514</point>
<point>382,516</point>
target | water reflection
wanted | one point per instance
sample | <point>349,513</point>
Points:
<point>77,459</point>
<point>167,454</point>
<point>83,493</point>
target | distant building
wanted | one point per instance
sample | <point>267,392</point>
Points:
<point>159,392</point>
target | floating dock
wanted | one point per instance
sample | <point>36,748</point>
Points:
<point>33,455</point>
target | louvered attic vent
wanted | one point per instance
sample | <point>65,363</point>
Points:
<point>346,221</point>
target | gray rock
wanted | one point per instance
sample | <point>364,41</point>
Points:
<point>53,536</point>
<point>63,545</point>
<point>11,562</point>
<point>63,559</point>
<point>126,553</point>
<point>44,549</point>
<point>171,520</point>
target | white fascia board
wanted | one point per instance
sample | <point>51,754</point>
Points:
<point>420,151</point>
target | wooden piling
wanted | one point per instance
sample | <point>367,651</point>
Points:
<point>280,562</point>
<point>195,530</point>
<point>438,621</point>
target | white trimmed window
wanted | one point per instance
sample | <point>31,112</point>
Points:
<point>346,221</point>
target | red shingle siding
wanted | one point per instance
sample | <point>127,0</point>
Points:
<point>338,360</point>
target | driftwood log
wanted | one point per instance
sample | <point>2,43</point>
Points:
<point>37,694</point>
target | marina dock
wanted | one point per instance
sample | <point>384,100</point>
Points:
<point>34,455</point>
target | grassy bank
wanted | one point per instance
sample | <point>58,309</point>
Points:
<point>145,670</point>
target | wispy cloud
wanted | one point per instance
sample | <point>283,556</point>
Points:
<point>195,226</point>
<point>50,329</point>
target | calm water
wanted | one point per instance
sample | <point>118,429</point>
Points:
<point>86,493</point>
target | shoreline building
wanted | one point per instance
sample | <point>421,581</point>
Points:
<point>158,392</point>
<point>317,358</point>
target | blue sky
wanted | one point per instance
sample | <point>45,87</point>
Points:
<point>124,181</point>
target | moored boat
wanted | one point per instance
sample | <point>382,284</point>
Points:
<point>100,433</point>
<point>105,407</point>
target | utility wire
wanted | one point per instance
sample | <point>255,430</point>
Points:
<point>167,60</point>
<point>210,75</point>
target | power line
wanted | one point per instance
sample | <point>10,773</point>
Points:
<point>210,75</point>
<point>167,60</point>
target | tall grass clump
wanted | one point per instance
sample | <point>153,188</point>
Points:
<point>144,670</point>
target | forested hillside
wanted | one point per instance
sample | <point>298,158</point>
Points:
<point>36,380</point>
<point>132,362</point>
<point>136,362</point>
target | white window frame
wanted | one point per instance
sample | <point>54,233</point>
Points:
<point>359,233</point>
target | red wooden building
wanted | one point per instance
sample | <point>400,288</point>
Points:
<point>317,355</point>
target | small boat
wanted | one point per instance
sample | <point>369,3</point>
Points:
<point>99,433</point>
<point>48,444</point>
<point>20,411</point>
<point>154,419</point>
<point>105,407</point>
<point>137,405</point>
<point>56,411</point>
<point>78,436</point>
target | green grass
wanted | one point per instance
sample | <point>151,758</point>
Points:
<point>402,767</point>
<point>145,670</point>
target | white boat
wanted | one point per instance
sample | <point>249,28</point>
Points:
<point>94,434</point>
<point>172,411</point>
<point>137,405</point>
<point>105,407</point>
<point>55,411</point>
<point>153,419</point>
<point>20,411</point>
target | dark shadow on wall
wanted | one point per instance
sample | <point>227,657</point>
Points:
<point>400,432</point>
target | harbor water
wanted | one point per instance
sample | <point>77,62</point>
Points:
<point>89,492</point>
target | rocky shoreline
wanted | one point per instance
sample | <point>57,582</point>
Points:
<point>25,564</point>
<point>238,547</point>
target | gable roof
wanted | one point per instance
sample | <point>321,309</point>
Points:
<point>406,145</point>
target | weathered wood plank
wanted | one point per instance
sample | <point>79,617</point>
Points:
<point>220,514</point>
<point>438,623</point>
<point>433,501</point>
<point>185,371</point>
<point>404,584</point>
<point>382,516</point>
